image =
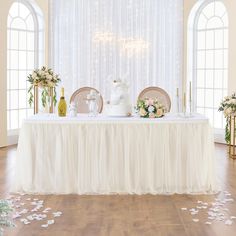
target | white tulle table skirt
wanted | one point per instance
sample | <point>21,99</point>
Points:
<point>115,155</point>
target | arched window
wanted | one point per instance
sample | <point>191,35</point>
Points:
<point>210,59</point>
<point>24,52</point>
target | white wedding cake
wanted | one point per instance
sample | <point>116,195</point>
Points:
<point>119,104</point>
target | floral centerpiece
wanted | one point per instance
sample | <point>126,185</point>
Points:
<point>228,107</point>
<point>5,210</point>
<point>150,108</point>
<point>44,78</point>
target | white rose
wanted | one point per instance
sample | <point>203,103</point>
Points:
<point>34,75</point>
<point>48,77</point>
<point>151,109</point>
<point>228,111</point>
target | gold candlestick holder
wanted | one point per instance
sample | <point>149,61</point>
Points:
<point>36,99</point>
<point>232,130</point>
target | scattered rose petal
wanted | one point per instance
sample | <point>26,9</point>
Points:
<point>195,220</point>
<point>208,223</point>
<point>44,226</point>
<point>228,222</point>
<point>50,222</point>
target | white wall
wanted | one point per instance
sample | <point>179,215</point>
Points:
<point>4,8</point>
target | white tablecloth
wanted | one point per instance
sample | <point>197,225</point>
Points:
<point>104,155</point>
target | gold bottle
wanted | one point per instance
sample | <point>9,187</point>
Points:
<point>62,104</point>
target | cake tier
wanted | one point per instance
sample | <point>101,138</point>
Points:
<point>119,110</point>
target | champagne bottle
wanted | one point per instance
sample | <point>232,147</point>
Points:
<point>62,104</point>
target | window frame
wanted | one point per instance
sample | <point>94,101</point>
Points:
<point>36,51</point>
<point>194,54</point>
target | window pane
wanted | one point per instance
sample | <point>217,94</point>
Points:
<point>22,40</point>
<point>225,79</point>
<point>210,59</point>
<point>214,22</point>
<point>201,40</point>
<point>30,22</point>
<point>225,20</point>
<point>219,57</point>
<point>13,80</point>
<point>14,119</point>
<point>200,97</point>
<point>23,11</point>
<point>14,40</point>
<point>22,60</point>
<point>202,22</point>
<point>209,113</point>
<point>218,81</point>
<point>225,38</point>
<point>218,96</point>
<point>22,80</point>
<point>14,99</point>
<point>219,8</point>
<point>209,39</point>
<point>30,41</point>
<point>209,79</point>
<point>225,58</point>
<point>219,39</point>
<point>13,59</point>
<point>201,60</point>
<point>200,78</point>
<point>22,99</point>
<point>209,10</point>
<point>18,23</point>
<point>30,61</point>
<point>209,98</point>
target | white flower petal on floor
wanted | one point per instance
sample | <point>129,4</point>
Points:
<point>228,222</point>
<point>50,222</point>
<point>216,211</point>
<point>44,226</point>
<point>208,223</point>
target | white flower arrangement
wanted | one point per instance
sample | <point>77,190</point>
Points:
<point>228,107</point>
<point>44,78</point>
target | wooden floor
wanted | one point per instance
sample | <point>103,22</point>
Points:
<point>127,214</point>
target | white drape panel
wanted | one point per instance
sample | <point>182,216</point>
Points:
<point>95,41</point>
<point>104,155</point>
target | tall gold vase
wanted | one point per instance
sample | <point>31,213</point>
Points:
<point>36,99</point>
<point>232,144</point>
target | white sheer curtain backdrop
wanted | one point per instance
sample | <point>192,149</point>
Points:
<point>96,41</point>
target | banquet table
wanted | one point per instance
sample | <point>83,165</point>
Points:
<point>115,155</point>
